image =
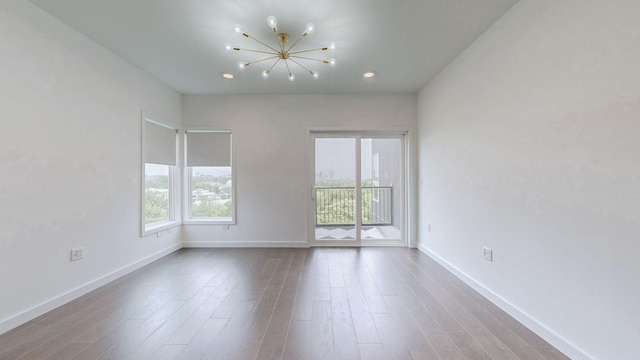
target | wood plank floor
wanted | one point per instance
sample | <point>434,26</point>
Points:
<point>322,303</point>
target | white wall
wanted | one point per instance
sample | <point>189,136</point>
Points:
<point>70,155</point>
<point>270,135</point>
<point>530,145</point>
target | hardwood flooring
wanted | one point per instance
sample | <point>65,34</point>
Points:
<point>321,303</point>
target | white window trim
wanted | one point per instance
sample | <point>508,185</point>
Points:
<point>187,220</point>
<point>174,208</point>
<point>174,182</point>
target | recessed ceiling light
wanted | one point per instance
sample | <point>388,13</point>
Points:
<point>227,76</point>
<point>369,74</point>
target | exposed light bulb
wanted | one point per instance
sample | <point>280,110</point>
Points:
<point>237,28</point>
<point>332,62</point>
<point>272,22</point>
<point>242,64</point>
<point>310,29</point>
<point>265,74</point>
<point>228,47</point>
<point>315,74</point>
<point>332,46</point>
<point>291,77</point>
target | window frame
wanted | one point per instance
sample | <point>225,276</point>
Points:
<point>175,218</point>
<point>188,174</point>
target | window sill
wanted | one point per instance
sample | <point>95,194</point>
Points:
<point>160,227</point>
<point>221,221</point>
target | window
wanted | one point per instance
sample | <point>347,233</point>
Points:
<point>209,177</point>
<point>159,200</point>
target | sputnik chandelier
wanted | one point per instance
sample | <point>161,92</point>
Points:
<point>283,51</point>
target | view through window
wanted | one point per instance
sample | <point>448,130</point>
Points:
<point>211,192</point>
<point>157,197</point>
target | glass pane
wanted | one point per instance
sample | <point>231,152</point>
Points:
<point>211,192</point>
<point>157,197</point>
<point>335,178</point>
<point>382,187</point>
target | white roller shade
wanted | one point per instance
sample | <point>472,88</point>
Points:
<point>208,148</point>
<point>159,144</point>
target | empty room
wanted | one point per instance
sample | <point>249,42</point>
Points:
<point>280,179</point>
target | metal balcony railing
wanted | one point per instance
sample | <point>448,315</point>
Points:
<point>335,206</point>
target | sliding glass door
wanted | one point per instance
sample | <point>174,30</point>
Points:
<point>358,189</point>
<point>336,177</point>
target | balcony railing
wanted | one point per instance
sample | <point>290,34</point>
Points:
<point>335,206</point>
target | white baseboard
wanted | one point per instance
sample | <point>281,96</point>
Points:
<point>530,322</point>
<point>34,312</point>
<point>244,244</point>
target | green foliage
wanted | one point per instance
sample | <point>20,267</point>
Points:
<point>156,207</point>
<point>367,210</point>
<point>211,208</point>
<point>156,203</point>
<point>337,206</point>
<point>209,182</point>
<point>156,182</point>
<point>335,183</point>
<point>219,204</point>
<point>341,183</point>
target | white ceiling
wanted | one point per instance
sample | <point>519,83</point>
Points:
<point>181,42</point>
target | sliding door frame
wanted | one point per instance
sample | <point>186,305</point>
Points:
<point>404,136</point>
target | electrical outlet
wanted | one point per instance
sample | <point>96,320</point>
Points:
<point>160,234</point>
<point>488,254</point>
<point>77,254</point>
<point>225,227</point>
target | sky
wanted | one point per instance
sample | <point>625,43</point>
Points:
<point>337,156</point>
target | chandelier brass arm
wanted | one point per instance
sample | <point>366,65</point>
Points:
<point>258,41</point>
<point>245,64</point>
<point>324,48</point>
<point>313,73</point>
<point>252,50</point>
